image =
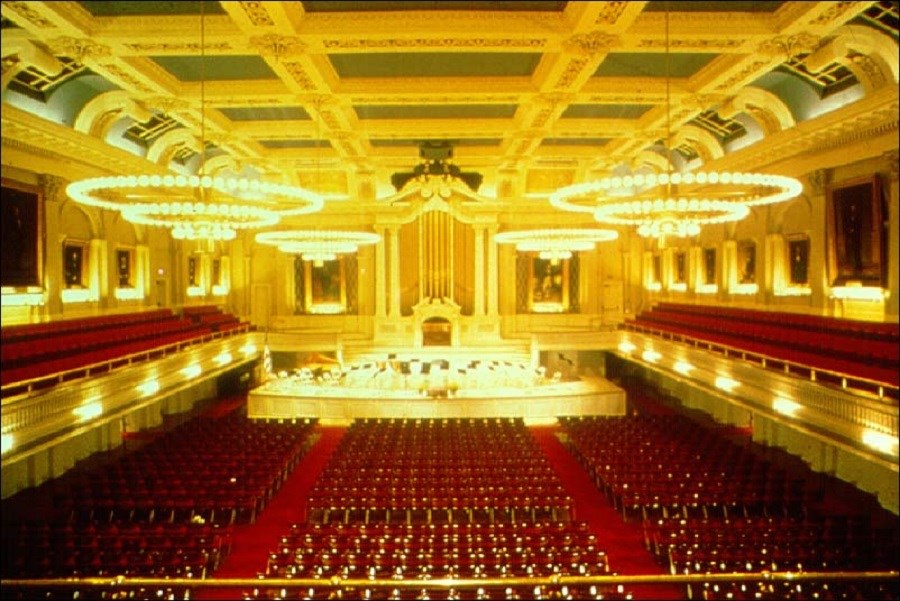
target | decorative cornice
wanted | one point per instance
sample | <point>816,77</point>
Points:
<point>589,44</point>
<point>610,13</point>
<point>24,10</point>
<point>446,42</point>
<point>299,75</point>
<point>170,48</point>
<point>278,46</point>
<point>78,49</point>
<point>257,14</point>
<point>571,73</point>
<point>702,45</point>
<point>787,47</point>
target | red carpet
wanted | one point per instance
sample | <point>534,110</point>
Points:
<point>252,543</point>
<point>623,543</point>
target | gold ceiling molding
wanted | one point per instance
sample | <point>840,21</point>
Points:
<point>702,101</point>
<point>698,44</point>
<point>78,49</point>
<point>24,10</point>
<point>299,75</point>
<point>837,12</point>
<point>257,14</point>
<point>750,71</point>
<point>123,76</point>
<point>362,99</point>
<point>168,104</point>
<point>871,73</point>
<point>610,13</point>
<point>175,48</point>
<point>787,47</point>
<point>589,44</point>
<point>442,42</point>
<point>571,73</point>
<point>278,46</point>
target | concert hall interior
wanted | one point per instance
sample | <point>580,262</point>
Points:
<point>450,300</point>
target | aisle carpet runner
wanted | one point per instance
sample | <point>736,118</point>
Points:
<point>623,542</point>
<point>252,543</point>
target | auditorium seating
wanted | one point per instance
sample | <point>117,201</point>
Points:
<point>709,504</point>
<point>224,471</point>
<point>439,498</point>
<point>33,352</point>
<point>860,349</point>
<point>39,350</point>
<point>211,317</point>
<point>439,471</point>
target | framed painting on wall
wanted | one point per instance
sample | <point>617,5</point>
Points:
<point>21,251</point>
<point>855,229</point>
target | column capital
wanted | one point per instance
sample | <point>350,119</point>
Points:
<point>892,158</point>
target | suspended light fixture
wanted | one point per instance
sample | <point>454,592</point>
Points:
<point>196,206</point>
<point>317,245</point>
<point>674,204</point>
<point>554,244</point>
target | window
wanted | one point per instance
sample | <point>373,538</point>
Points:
<point>124,259</point>
<point>657,269</point>
<point>217,272</point>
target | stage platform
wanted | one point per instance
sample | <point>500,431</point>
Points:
<point>333,403</point>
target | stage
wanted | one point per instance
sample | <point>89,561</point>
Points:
<point>390,389</point>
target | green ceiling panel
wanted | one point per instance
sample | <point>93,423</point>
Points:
<point>388,6</point>
<point>266,113</point>
<point>605,111</point>
<point>435,64</point>
<point>652,64</point>
<point>135,9</point>
<point>215,68</point>
<point>437,111</point>
<point>722,6</point>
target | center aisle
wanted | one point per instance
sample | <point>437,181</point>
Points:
<point>252,543</point>
<point>623,543</point>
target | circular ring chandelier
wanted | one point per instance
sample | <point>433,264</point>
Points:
<point>317,245</point>
<point>689,201</point>
<point>195,207</point>
<point>555,243</point>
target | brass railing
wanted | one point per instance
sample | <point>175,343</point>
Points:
<point>556,581</point>
<point>882,389</point>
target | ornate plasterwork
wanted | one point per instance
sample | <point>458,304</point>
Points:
<point>54,187</point>
<point>445,42</point>
<point>698,44</point>
<point>168,104</point>
<point>750,70</point>
<point>171,48</point>
<point>278,46</point>
<point>835,12</point>
<point>28,13</point>
<point>610,13</point>
<point>571,73</point>
<point>257,13</point>
<point>299,75</point>
<point>588,44</point>
<point>78,49</point>
<point>868,69</point>
<point>122,75</point>
<point>787,47</point>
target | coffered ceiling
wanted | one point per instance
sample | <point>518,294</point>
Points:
<point>337,96</point>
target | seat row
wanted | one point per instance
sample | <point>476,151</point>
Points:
<point>21,332</point>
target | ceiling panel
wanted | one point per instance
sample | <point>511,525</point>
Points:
<point>295,143</point>
<point>265,113</point>
<point>435,64</point>
<point>575,141</point>
<point>215,68</point>
<point>723,6</point>
<point>117,8</point>
<point>402,142</point>
<point>605,111</point>
<point>501,5</point>
<point>437,111</point>
<point>652,64</point>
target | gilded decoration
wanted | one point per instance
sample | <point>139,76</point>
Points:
<point>278,46</point>
<point>369,43</point>
<point>610,13</point>
<point>171,48</point>
<point>595,42</point>
<point>24,10</point>
<point>78,49</point>
<point>787,47</point>
<point>299,75</point>
<point>573,70</point>
<point>257,13</point>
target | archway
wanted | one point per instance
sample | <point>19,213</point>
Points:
<point>437,331</point>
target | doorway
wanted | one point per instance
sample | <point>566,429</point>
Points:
<point>436,331</point>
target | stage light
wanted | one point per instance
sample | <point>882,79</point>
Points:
<point>726,383</point>
<point>786,406</point>
<point>149,387</point>
<point>89,410</point>
<point>192,371</point>
<point>683,367</point>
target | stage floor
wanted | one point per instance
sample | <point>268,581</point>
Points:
<point>337,404</point>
